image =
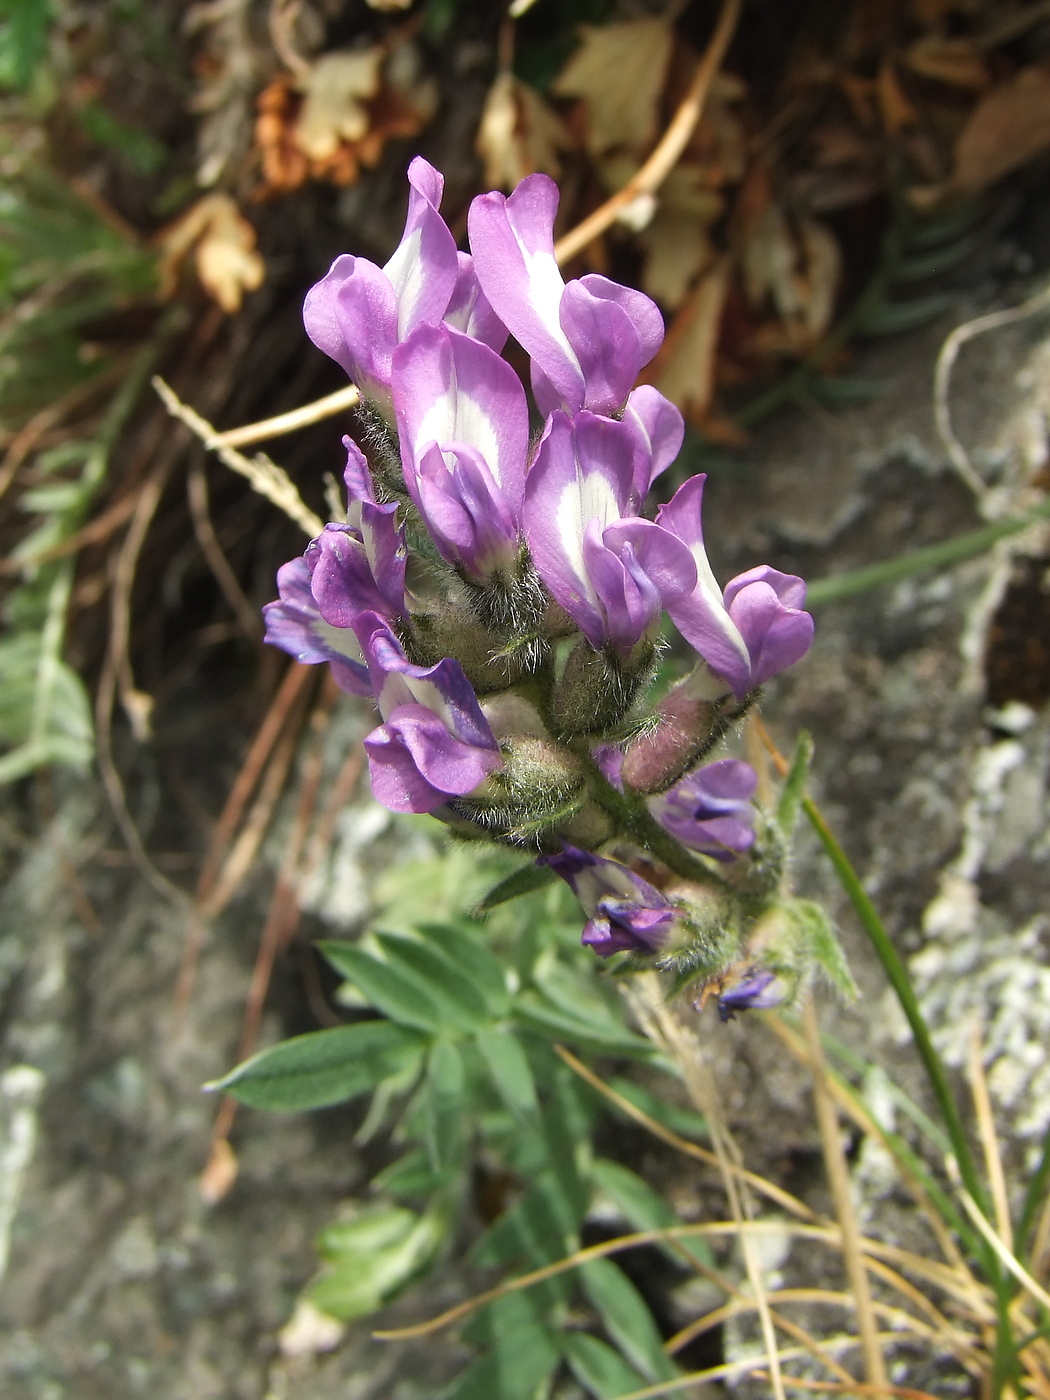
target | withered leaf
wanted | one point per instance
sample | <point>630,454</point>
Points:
<point>223,242</point>
<point>333,111</point>
<point>1008,127</point>
<point>685,367</point>
<point>619,72</point>
<point>519,133</point>
<point>953,61</point>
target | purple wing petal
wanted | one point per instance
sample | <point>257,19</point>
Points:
<point>701,617</point>
<point>642,311</point>
<point>465,512</point>
<point>424,267</point>
<point>659,428</point>
<point>583,472</point>
<point>357,476</point>
<point>606,345</point>
<point>351,314</point>
<point>512,241</point>
<point>416,764</point>
<point>777,633</point>
<point>294,623</point>
<point>470,311</point>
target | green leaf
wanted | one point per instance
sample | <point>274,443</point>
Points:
<point>643,1207</point>
<point>627,1319</point>
<point>371,1258</point>
<point>509,1070</point>
<point>794,789</point>
<point>464,947</point>
<point>322,1067</point>
<point>844,390</point>
<point>460,1002</point>
<point>522,881</point>
<point>443,1105</point>
<point>517,1368</point>
<point>821,943</point>
<point>559,1025</point>
<point>683,1121</point>
<point>409,1177</point>
<point>23,40</point>
<point>598,1368</point>
<point>403,998</point>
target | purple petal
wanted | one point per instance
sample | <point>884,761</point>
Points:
<point>766,607</point>
<point>710,810</point>
<point>757,990</point>
<point>294,623</point>
<point>350,579</point>
<point>642,311</point>
<point>659,428</point>
<point>606,346</point>
<point>416,764</point>
<point>701,616</point>
<point>357,476</point>
<point>451,389</point>
<point>624,912</point>
<point>471,523</point>
<point>469,310</point>
<point>351,314</point>
<point>583,472</point>
<point>634,568</point>
<point>512,241</point>
<point>424,267</point>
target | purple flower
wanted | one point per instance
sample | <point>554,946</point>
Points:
<point>754,629</point>
<point>611,571</point>
<point>587,339</point>
<point>346,571</point>
<point>434,742</point>
<point>624,912</point>
<point>757,990</point>
<point>710,810</point>
<point>464,428</point>
<point>294,623</point>
<point>658,429</point>
<point>359,313</point>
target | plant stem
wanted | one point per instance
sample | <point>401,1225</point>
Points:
<point>901,982</point>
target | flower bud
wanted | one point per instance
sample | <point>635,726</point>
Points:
<point>691,721</point>
<point>595,691</point>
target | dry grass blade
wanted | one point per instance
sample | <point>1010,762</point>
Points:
<point>670,147</point>
<point>264,476</point>
<point>197,494</point>
<point>665,1031</point>
<point>989,1141</point>
<point>838,1179</point>
<point>942,376</point>
<point>905,1392</point>
<point>1006,1256</point>
<point>774,1193</point>
<point>936,1274</point>
<point>291,422</point>
<point>867,1124</point>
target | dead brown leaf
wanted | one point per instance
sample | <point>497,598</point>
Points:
<point>1008,127</point>
<point>798,269</point>
<point>677,240</point>
<point>684,370</point>
<point>519,133</point>
<point>619,72</point>
<point>956,62</point>
<point>333,109</point>
<point>223,242</point>
<point>896,110</point>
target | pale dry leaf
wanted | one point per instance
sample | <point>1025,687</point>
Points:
<point>821,275</point>
<point>333,96</point>
<point>228,263</point>
<point>619,71</point>
<point>685,369</point>
<point>217,1178</point>
<point>385,6</point>
<point>519,134</point>
<point>1008,127</point>
<point>677,240</point>
<point>309,1331</point>
<point>953,61</point>
<point>769,262</point>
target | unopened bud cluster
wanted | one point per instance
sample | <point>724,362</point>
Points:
<point>499,591</point>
